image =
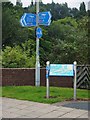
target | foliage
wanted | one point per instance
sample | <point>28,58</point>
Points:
<point>15,57</point>
<point>12,32</point>
<point>74,13</point>
<point>67,39</point>
<point>0,59</point>
<point>64,41</point>
<point>82,9</point>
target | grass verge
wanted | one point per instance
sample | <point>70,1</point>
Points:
<point>37,94</point>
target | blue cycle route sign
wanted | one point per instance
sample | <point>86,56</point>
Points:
<point>45,18</point>
<point>39,32</point>
<point>47,71</point>
<point>28,19</point>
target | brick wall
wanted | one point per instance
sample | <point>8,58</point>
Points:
<point>26,76</point>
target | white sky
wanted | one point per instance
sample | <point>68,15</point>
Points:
<point>71,3</point>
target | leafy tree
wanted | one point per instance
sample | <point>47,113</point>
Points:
<point>15,57</point>
<point>82,9</point>
<point>12,32</point>
<point>59,29</point>
<point>67,40</point>
<point>74,12</point>
<point>29,47</point>
<point>83,29</point>
<point>0,59</point>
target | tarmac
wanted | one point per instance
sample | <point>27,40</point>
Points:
<point>13,108</point>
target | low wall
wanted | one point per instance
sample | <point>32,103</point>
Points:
<point>26,76</point>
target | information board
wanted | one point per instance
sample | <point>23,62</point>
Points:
<point>61,70</point>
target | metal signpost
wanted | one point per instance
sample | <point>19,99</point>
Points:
<point>37,72</point>
<point>28,20</point>
<point>47,79</point>
<point>75,80</point>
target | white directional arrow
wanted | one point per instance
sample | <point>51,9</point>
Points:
<point>28,19</point>
<point>45,18</point>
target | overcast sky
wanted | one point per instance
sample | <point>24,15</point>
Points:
<point>71,3</point>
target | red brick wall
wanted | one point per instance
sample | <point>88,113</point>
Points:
<point>26,76</point>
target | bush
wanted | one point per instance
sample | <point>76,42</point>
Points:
<point>15,57</point>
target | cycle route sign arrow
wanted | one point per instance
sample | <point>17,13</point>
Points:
<point>45,18</point>
<point>28,20</point>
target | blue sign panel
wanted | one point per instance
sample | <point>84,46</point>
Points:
<point>39,32</point>
<point>45,18</point>
<point>47,71</point>
<point>28,19</point>
<point>61,70</point>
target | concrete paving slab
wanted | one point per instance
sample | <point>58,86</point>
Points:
<point>49,109</point>
<point>23,112</point>
<point>15,101</point>
<point>36,113</point>
<point>32,108</point>
<point>41,105</point>
<point>65,109</point>
<point>0,102</point>
<point>45,111</point>
<point>0,107</point>
<point>0,112</point>
<point>5,107</point>
<point>28,109</point>
<point>12,110</point>
<point>9,115</point>
<point>23,116</point>
<point>74,114</point>
<point>29,103</point>
<point>53,114</point>
<point>85,115</point>
<point>21,106</point>
<point>33,115</point>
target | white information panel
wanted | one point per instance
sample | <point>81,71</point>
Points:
<point>61,70</point>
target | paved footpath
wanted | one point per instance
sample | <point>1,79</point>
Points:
<point>12,108</point>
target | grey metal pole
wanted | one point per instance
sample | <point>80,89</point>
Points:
<point>1,61</point>
<point>37,71</point>
<point>75,80</point>
<point>47,81</point>
<point>48,91</point>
